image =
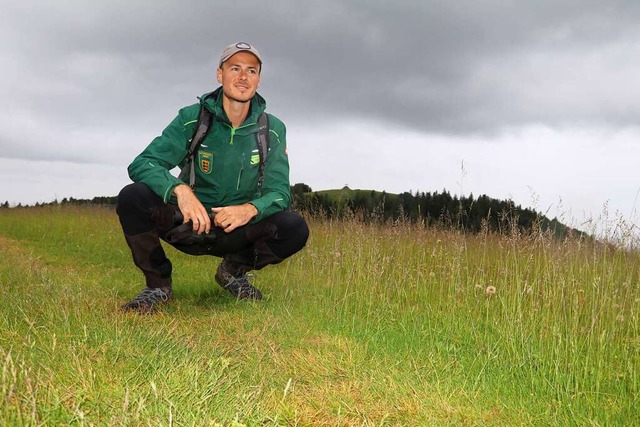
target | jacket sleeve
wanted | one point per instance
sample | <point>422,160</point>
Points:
<point>152,167</point>
<point>276,195</point>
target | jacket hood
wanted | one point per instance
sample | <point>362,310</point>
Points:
<point>213,101</point>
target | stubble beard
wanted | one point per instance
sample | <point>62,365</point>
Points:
<point>230,97</point>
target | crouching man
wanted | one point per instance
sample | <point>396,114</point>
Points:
<point>232,196</point>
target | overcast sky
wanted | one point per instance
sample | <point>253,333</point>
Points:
<point>536,101</point>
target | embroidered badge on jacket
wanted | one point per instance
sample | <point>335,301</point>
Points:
<point>205,160</point>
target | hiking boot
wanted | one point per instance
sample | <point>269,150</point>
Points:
<point>145,301</point>
<point>235,280</point>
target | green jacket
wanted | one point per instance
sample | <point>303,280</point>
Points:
<point>226,163</point>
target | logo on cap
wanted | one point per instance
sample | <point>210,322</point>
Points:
<point>232,49</point>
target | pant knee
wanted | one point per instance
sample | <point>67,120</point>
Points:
<point>292,235</point>
<point>136,203</point>
<point>296,227</point>
<point>130,196</point>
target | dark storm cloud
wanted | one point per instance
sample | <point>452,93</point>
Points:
<point>453,67</point>
<point>113,73</point>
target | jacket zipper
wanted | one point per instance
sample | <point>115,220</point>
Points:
<point>240,173</point>
<point>233,133</point>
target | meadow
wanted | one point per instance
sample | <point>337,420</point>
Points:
<point>369,325</point>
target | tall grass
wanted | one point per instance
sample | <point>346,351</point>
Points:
<point>369,325</point>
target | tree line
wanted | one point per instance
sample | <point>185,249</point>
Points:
<point>101,200</point>
<point>466,213</point>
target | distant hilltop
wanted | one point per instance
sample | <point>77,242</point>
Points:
<point>469,214</point>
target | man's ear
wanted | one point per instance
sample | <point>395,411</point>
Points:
<point>219,75</point>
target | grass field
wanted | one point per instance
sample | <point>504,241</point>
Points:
<point>367,326</point>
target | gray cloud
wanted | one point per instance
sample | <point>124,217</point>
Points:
<point>76,70</point>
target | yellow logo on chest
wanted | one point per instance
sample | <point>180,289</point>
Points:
<point>205,160</point>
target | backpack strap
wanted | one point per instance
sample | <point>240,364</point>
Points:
<point>262,140</point>
<point>205,118</point>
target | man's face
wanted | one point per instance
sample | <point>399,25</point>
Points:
<point>240,76</point>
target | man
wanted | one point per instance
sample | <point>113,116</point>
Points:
<point>238,208</point>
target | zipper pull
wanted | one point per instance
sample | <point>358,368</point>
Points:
<point>233,132</point>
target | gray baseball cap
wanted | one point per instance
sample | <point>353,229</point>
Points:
<point>234,48</point>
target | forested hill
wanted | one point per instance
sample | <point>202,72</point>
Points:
<point>470,214</point>
<point>465,213</point>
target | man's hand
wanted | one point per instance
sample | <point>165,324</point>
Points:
<point>192,209</point>
<point>231,217</point>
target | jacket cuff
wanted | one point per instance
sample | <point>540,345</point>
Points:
<point>169,191</point>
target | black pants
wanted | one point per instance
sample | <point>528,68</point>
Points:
<point>146,219</point>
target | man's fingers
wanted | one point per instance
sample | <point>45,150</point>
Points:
<point>231,217</point>
<point>204,224</point>
<point>200,220</point>
<point>218,221</point>
<point>225,222</point>
<point>192,209</point>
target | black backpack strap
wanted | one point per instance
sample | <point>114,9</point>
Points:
<point>262,140</point>
<point>205,118</point>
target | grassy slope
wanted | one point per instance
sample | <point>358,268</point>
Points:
<point>365,326</point>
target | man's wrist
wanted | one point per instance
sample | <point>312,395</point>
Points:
<point>180,188</point>
<point>254,210</point>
